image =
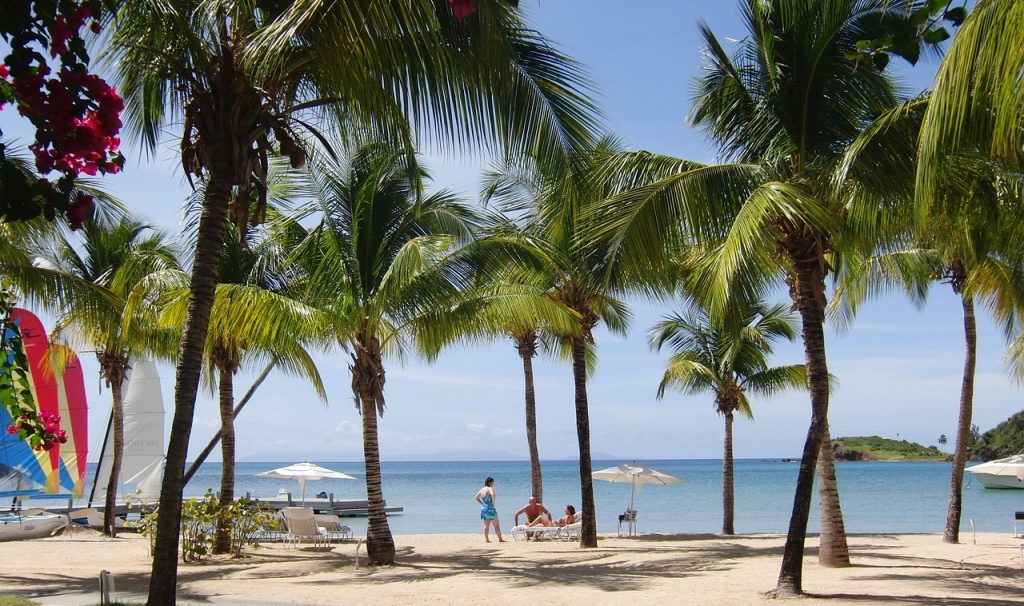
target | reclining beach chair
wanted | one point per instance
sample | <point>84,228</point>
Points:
<point>523,532</point>
<point>571,532</point>
<point>331,524</point>
<point>301,527</point>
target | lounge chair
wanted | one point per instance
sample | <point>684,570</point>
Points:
<point>524,532</point>
<point>571,532</point>
<point>300,523</point>
<point>568,533</point>
<point>331,524</point>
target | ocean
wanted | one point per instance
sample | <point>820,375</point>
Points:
<point>437,497</point>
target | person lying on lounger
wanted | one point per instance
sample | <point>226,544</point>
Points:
<point>565,520</point>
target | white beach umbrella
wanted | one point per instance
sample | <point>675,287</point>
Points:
<point>636,474</point>
<point>303,472</point>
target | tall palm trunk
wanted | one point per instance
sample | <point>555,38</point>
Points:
<point>226,366</point>
<point>728,496</point>
<point>588,534</point>
<point>205,273</point>
<point>963,425</point>
<point>526,345</point>
<point>833,550</point>
<point>113,366</point>
<point>368,380</point>
<point>810,300</point>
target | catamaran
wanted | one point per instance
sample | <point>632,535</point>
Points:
<point>27,472</point>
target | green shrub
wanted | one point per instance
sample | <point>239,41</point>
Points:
<point>199,523</point>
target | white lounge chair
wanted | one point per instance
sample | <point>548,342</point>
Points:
<point>569,532</point>
<point>300,523</point>
<point>331,524</point>
<point>524,532</point>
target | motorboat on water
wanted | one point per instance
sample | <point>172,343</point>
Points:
<point>17,527</point>
<point>1001,473</point>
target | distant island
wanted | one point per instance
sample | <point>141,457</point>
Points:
<point>874,448</point>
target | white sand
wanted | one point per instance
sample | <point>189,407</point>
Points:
<point>462,569</point>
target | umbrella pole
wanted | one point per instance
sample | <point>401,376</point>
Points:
<point>302,486</point>
<point>632,516</point>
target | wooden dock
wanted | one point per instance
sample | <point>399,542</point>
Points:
<point>342,508</point>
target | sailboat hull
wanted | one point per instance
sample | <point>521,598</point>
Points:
<point>16,528</point>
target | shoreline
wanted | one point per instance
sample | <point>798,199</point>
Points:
<point>460,568</point>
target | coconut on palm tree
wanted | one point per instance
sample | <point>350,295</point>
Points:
<point>242,78</point>
<point>728,357</point>
<point>782,109</point>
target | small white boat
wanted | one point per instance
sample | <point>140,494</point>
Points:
<point>1001,473</point>
<point>16,528</point>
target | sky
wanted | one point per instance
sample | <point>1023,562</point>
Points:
<point>899,367</point>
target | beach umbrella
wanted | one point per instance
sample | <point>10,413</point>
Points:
<point>304,472</point>
<point>636,474</point>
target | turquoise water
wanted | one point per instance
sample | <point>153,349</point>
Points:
<point>438,496</point>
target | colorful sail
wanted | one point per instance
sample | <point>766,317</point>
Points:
<point>62,468</point>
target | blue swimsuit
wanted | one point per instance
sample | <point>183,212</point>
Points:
<point>488,512</point>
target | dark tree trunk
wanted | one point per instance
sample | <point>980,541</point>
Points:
<point>201,457</point>
<point>226,367</point>
<point>380,545</point>
<point>728,495</point>
<point>205,273</point>
<point>368,383</point>
<point>963,425</point>
<point>833,550</point>
<point>810,300</point>
<point>588,534</point>
<point>113,366</point>
<point>526,344</point>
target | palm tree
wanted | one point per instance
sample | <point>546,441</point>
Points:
<point>574,269</point>
<point>371,264</point>
<point>113,256</point>
<point>253,320</point>
<point>728,358</point>
<point>238,75</point>
<point>968,238</point>
<point>977,102</point>
<point>783,108</point>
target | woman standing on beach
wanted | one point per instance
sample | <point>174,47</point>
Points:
<point>485,496</point>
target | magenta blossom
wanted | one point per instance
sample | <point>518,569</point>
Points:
<point>462,8</point>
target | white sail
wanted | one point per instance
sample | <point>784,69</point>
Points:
<point>143,460</point>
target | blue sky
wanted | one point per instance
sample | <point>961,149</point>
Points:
<point>899,368</point>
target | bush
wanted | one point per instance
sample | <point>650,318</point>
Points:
<point>199,523</point>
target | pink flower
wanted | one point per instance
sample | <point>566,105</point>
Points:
<point>78,211</point>
<point>60,33</point>
<point>12,429</point>
<point>462,8</point>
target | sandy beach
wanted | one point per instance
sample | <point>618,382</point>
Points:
<point>462,569</point>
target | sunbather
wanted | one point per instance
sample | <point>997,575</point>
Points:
<point>565,520</point>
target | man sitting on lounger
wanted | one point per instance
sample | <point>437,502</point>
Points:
<point>534,512</point>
